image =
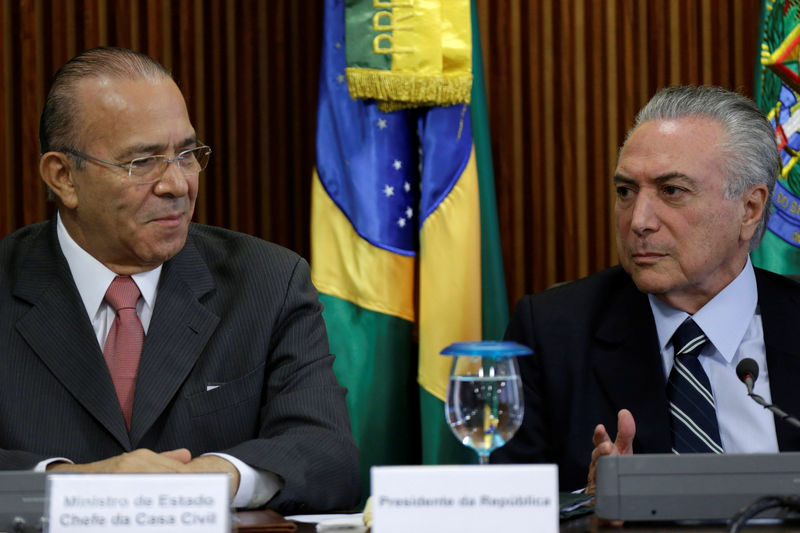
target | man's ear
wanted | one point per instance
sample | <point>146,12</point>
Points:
<point>755,201</point>
<point>56,172</point>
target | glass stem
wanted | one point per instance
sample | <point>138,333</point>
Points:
<point>483,458</point>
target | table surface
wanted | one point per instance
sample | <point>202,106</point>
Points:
<point>590,524</point>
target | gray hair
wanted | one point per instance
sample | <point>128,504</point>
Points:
<point>750,152</point>
<point>58,123</point>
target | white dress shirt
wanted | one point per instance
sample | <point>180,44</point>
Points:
<point>732,323</point>
<point>92,279</point>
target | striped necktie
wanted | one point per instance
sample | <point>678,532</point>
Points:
<point>691,403</point>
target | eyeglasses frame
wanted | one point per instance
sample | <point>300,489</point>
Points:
<point>129,165</point>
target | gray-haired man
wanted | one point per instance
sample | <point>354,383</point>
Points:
<point>657,339</point>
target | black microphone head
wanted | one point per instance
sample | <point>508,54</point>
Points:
<point>747,367</point>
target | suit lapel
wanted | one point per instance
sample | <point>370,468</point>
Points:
<point>629,369</point>
<point>778,309</point>
<point>59,332</point>
<point>178,332</point>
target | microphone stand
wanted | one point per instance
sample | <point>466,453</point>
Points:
<point>780,413</point>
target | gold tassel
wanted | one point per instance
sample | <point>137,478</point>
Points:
<point>401,91</point>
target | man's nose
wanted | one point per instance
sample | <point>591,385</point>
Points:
<point>173,181</point>
<point>644,217</point>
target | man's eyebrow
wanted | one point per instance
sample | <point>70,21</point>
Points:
<point>155,148</point>
<point>619,178</point>
<point>669,176</point>
<point>192,139</point>
<point>672,176</point>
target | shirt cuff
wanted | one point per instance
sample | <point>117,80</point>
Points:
<point>256,487</point>
<point>41,466</point>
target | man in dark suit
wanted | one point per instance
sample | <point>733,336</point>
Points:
<point>692,182</point>
<point>228,350</point>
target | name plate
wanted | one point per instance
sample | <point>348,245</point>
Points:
<point>467,499</point>
<point>138,502</point>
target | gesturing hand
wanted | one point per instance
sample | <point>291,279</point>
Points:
<point>626,430</point>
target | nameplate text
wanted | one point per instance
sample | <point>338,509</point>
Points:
<point>138,502</point>
<point>468,498</point>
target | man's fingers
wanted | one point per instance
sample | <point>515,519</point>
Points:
<point>604,448</point>
<point>182,455</point>
<point>137,461</point>
<point>142,460</point>
<point>626,431</point>
<point>600,435</point>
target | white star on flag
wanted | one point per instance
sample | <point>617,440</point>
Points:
<point>382,123</point>
<point>397,164</point>
<point>340,79</point>
<point>407,186</point>
<point>401,222</point>
<point>409,212</point>
<point>388,190</point>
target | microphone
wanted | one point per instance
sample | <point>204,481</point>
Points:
<point>747,372</point>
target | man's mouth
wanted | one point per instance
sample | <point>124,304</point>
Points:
<point>644,258</point>
<point>170,220</point>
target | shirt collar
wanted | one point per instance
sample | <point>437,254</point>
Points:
<point>724,319</point>
<point>93,278</point>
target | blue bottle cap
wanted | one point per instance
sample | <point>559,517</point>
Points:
<point>496,349</point>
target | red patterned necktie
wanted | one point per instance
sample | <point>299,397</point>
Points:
<point>124,342</point>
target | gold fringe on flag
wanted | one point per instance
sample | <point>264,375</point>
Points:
<point>393,90</point>
<point>409,53</point>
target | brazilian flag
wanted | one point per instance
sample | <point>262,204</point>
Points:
<point>405,245</point>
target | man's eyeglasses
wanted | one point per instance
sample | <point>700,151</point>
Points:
<point>191,161</point>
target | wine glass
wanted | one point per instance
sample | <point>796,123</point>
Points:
<point>484,404</point>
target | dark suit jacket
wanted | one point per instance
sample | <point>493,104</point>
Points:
<point>596,351</point>
<point>232,311</point>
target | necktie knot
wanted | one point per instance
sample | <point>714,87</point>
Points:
<point>122,293</point>
<point>688,339</point>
